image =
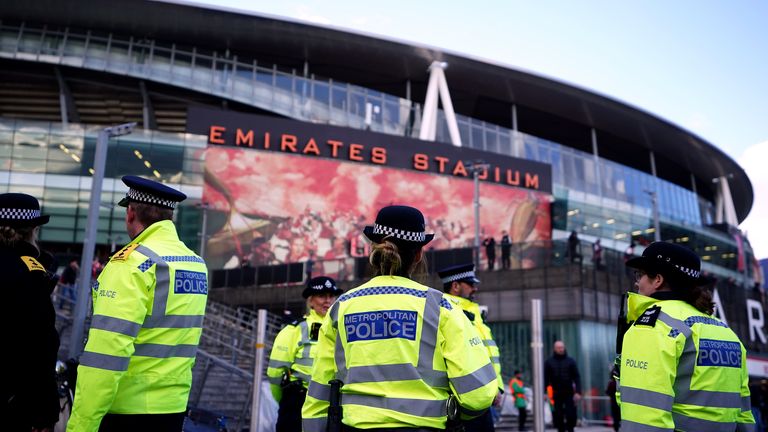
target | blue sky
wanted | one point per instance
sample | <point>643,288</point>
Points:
<point>701,64</point>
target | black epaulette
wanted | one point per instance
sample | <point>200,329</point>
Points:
<point>470,315</point>
<point>649,317</point>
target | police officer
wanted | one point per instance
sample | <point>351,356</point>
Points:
<point>148,309</point>
<point>30,399</point>
<point>290,363</point>
<point>460,285</point>
<point>681,368</point>
<point>399,347</point>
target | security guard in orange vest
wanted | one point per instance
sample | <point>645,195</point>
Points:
<point>397,348</point>
<point>681,368</point>
<point>148,309</point>
<point>517,388</point>
<point>291,360</point>
<point>460,285</point>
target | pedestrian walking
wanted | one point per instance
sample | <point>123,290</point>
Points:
<point>562,373</point>
<point>29,393</point>
<point>148,309</point>
<point>293,353</point>
<point>388,349</point>
<point>681,368</point>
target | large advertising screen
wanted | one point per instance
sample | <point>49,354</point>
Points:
<point>270,206</point>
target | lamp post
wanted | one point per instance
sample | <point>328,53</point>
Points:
<point>655,206</point>
<point>204,206</point>
<point>91,228</point>
<point>476,167</point>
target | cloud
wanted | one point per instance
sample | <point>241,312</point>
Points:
<point>753,161</point>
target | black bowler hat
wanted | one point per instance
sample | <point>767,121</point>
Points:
<point>20,210</point>
<point>150,192</point>
<point>321,285</point>
<point>673,261</point>
<point>404,223</point>
<point>459,273</point>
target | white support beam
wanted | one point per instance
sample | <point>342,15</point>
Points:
<point>438,87</point>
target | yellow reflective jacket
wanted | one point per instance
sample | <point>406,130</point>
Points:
<point>293,352</point>
<point>400,348</point>
<point>472,311</point>
<point>148,308</point>
<point>681,370</point>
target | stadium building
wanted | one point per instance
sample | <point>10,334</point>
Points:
<point>288,136</point>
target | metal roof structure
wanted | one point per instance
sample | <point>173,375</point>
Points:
<point>477,86</point>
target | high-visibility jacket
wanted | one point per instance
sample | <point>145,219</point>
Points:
<point>293,352</point>
<point>681,370</point>
<point>472,311</point>
<point>400,348</point>
<point>517,389</point>
<point>148,309</point>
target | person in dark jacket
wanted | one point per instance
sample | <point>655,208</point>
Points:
<point>30,400</point>
<point>561,372</point>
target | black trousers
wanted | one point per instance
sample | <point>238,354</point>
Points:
<point>143,422</point>
<point>483,423</point>
<point>564,413</point>
<point>289,412</point>
<point>521,416</point>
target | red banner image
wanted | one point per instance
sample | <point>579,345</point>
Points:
<point>274,208</point>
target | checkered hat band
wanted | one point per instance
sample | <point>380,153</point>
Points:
<point>687,271</point>
<point>458,276</point>
<point>144,197</point>
<point>18,214</point>
<point>398,233</point>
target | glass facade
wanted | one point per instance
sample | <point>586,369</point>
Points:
<point>54,163</point>
<point>594,196</point>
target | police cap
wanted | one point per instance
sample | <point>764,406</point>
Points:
<point>459,273</point>
<point>20,210</point>
<point>321,285</point>
<point>147,191</point>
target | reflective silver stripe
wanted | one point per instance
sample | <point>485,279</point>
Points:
<point>746,403</point>
<point>304,377</point>
<point>496,359</point>
<point>685,423</point>
<point>104,361</point>
<point>647,398</point>
<point>162,280</point>
<point>309,361</point>
<point>675,324</point>
<point>314,424</point>
<point>277,364</point>
<point>304,333</point>
<point>173,321</point>
<point>630,426</point>
<point>319,391</point>
<point>383,373</point>
<point>489,342</point>
<point>746,427</point>
<point>115,325</point>
<point>275,380</point>
<point>415,407</point>
<point>712,399</point>
<point>165,351</point>
<point>474,380</point>
<point>428,342</point>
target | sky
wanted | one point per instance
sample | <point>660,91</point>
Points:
<point>701,64</point>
